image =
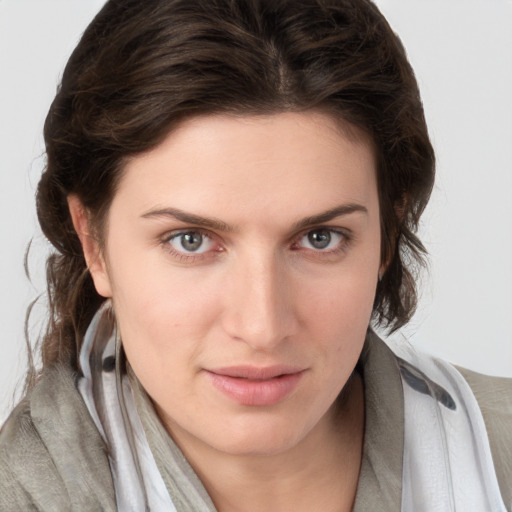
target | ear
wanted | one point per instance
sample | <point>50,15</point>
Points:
<point>382,270</point>
<point>400,208</point>
<point>90,245</point>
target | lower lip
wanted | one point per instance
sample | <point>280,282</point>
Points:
<point>256,392</point>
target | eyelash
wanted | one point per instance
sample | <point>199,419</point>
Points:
<point>191,257</point>
<point>341,247</point>
<point>194,257</point>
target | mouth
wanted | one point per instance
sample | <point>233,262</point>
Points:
<point>253,386</point>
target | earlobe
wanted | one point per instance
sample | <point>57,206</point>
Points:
<point>90,246</point>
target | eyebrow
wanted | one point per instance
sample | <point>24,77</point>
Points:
<point>333,213</point>
<point>189,218</point>
<point>219,225</point>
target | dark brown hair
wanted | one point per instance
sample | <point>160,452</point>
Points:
<point>143,66</point>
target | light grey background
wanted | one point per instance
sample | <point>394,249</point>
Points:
<point>462,53</point>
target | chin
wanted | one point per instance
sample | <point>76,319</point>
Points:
<point>258,436</point>
<point>258,444</point>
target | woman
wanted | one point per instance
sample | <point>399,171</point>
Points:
<point>233,190</point>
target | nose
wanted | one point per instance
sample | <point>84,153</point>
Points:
<point>258,307</point>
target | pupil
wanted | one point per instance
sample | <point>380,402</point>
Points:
<point>319,239</point>
<point>191,241</point>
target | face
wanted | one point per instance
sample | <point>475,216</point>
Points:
<point>242,257</point>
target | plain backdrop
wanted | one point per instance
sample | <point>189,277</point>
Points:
<point>462,53</point>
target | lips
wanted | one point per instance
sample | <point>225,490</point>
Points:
<point>256,386</point>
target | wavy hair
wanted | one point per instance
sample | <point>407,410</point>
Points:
<point>143,66</point>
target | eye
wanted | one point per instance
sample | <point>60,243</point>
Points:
<point>322,239</point>
<point>190,242</point>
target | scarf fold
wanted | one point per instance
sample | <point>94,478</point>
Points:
<point>109,399</point>
<point>447,459</point>
<point>448,464</point>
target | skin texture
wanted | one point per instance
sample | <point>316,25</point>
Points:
<point>257,292</point>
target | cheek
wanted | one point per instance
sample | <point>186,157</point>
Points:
<point>152,289</point>
<point>342,303</point>
<point>164,332</point>
<point>337,314</point>
<point>163,313</point>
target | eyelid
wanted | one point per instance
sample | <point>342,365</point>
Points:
<point>346,233</point>
<point>190,257</point>
<point>194,257</point>
<point>346,240</point>
<point>181,231</point>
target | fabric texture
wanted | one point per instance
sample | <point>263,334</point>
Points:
<point>53,457</point>
<point>108,396</point>
<point>494,396</point>
<point>107,392</point>
<point>443,419</point>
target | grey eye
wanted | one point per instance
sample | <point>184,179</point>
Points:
<point>191,242</point>
<point>319,239</point>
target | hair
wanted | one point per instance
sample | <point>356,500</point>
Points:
<point>142,67</point>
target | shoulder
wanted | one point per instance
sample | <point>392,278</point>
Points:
<point>492,393</point>
<point>20,452</point>
<point>494,396</point>
<point>51,455</point>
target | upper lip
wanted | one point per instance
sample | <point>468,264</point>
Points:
<point>256,372</point>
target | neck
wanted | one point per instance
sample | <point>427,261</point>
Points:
<point>319,473</point>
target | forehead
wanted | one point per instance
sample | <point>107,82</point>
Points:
<point>277,164</point>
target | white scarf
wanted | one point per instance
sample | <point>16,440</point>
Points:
<point>108,395</point>
<point>448,465</point>
<point>447,459</point>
